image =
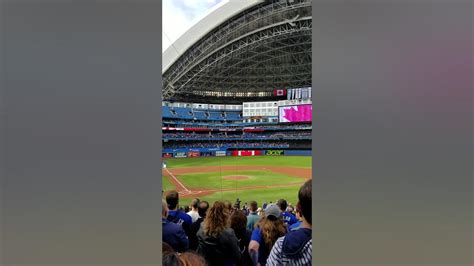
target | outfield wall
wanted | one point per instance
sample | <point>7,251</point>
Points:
<point>217,152</point>
<point>298,153</point>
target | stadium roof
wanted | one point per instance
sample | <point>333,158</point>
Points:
<point>241,48</point>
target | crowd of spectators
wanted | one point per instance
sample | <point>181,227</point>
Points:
<point>190,113</point>
<point>226,144</point>
<point>234,123</point>
<point>238,136</point>
<point>203,123</point>
<point>223,234</point>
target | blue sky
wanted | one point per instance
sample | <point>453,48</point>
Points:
<point>180,15</point>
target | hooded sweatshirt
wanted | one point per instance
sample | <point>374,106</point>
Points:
<point>293,249</point>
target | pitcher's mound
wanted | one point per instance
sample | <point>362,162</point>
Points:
<point>235,177</point>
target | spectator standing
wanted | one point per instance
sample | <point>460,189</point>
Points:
<point>245,208</point>
<point>238,222</point>
<point>253,216</point>
<point>268,230</point>
<point>288,217</point>
<point>216,240</point>
<point>175,214</point>
<point>202,210</point>
<point>194,210</point>
<point>295,248</point>
<point>173,234</point>
<point>296,225</point>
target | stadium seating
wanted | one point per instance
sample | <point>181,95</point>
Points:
<point>244,136</point>
<point>188,128</point>
<point>190,114</point>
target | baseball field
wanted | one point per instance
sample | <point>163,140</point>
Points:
<point>260,178</point>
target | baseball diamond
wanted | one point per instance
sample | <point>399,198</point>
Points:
<point>237,177</point>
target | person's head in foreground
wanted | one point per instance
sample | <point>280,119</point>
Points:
<point>253,206</point>
<point>295,248</point>
<point>172,199</point>
<point>304,205</point>
<point>202,208</point>
<point>238,222</point>
<point>268,230</point>
<point>166,249</point>
<point>282,204</point>
<point>194,204</point>
<point>183,259</point>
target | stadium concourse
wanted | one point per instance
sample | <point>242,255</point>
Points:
<point>237,123</point>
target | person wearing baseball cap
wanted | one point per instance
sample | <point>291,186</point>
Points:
<point>295,248</point>
<point>268,230</point>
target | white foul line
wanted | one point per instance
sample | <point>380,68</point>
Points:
<point>175,179</point>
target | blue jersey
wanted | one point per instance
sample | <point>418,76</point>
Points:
<point>294,226</point>
<point>289,218</point>
<point>175,236</point>
<point>179,217</point>
<point>262,250</point>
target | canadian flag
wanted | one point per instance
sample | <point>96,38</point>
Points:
<point>279,92</point>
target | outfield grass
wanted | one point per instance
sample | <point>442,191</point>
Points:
<point>167,184</point>
<point>295,161</point>
<point>212,180</point>
<point>255,177</point>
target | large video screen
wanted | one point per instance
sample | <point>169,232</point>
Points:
<point>296,113</point>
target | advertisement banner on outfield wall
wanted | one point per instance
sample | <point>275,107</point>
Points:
<point>208,149</point>
<point>180,154</point>
<point>298,152</point>
<point>220,153</point>
<point>186,150</point>
<point>167,155</point>
<point>194,154</point>
<point>247,153</point>
<point>275,152</point>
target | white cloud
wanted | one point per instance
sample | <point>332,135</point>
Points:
<point>180,15</point>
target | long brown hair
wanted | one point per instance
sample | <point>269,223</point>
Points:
<point>271,230</point>
<point>191,259</point>
<point>217,219</point>
<point>238,222</point>
<point>183,259</point>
